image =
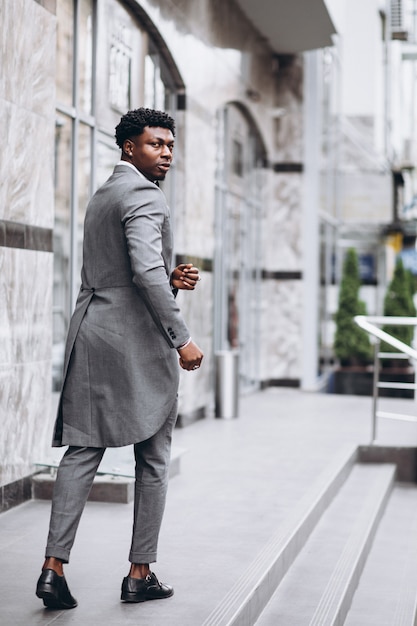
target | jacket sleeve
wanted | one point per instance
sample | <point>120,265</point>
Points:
<point>147,227</point>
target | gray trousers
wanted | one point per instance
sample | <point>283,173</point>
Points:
<point>75,477</point>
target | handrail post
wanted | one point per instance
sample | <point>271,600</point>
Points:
<point>375,390</point>
<point>371,325</point>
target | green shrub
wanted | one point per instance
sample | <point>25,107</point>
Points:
<point>351,344</point>
<point>398,302</point>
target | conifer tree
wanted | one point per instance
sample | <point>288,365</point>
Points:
<point>351,344</point>
<point>399,302</point>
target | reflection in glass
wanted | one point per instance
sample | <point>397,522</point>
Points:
<point>108,154</point>
<point>120,65</point>
<point>62,243</point>
<point>84,181</point>
<point>328,255</point>
<point>64,51</point>
<point>85,56</point>
<point>237,157</point>
<point>156,92</point>
<point>120,50</point>
<point>238,243</point>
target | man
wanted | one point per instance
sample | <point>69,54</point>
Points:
<point>120,372</point>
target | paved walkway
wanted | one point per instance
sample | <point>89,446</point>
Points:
<point>239,479</point>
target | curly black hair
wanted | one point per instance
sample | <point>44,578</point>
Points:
<point>134,122</point>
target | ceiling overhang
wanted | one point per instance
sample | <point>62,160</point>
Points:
<point>291,27</point>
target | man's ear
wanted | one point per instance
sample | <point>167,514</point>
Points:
<point>128,147</point>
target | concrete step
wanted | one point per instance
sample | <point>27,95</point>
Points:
<point>115,477</point>
<point>387,590</point>
<point>319,587</point>
<point>247,598</point>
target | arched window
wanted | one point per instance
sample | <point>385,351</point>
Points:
<point>239,197</point>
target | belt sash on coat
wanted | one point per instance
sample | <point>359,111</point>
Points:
<point>84,298</point>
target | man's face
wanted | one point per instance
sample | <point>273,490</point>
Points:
<point>151,152</point>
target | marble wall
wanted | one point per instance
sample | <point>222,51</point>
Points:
<point>282,303</point>
<point>27,100</point>
<point>282,250</point>
<point>25,368</point>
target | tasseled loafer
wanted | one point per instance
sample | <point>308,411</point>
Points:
<point>54,592</point>
<point>142,589</point>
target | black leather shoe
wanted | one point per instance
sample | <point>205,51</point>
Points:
<point>54,592</point>
<point>142,589</point>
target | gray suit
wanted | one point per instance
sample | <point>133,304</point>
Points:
<point>121,371</point>
<point>121,368</point>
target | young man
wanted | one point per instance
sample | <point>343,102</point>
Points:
<point>121,372</point>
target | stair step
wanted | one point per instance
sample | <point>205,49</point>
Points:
<point>387,590</point>
<point>246,599</point>
<point>318,589</point>
<point>115,479</point>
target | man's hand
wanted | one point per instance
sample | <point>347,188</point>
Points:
<point>190,357</point>
<point>185,276</point>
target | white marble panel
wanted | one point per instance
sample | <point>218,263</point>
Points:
<point>25,358</point>
<point>28,56</point>
<point>283,223</point>
<point>282,309</point>
<point>26,311</point>
<point>26,171</point>
<point>6,349</point>
<point>25,416</point>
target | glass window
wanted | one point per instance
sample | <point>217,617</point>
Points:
<point>107,155</point>
<point>62,242</point>
<point>83,164</point>
<point>65,51</point>
<point>237,157</point>
<point>121,49</point>
<point>120,67</point>
<point>155,91</point>
<point>85,56</point>
<point>237,280</point>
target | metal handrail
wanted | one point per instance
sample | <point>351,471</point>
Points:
<point>371,325</point>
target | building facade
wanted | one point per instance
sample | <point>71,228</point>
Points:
<point>235,189</point>
<point>368,154</point>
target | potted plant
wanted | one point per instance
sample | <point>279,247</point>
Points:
<point>352,345</point>
<point>399,302</point>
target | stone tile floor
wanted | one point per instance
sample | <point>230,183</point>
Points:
<point>239,479</point>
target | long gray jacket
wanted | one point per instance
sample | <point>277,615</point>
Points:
<point>121,368</point>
